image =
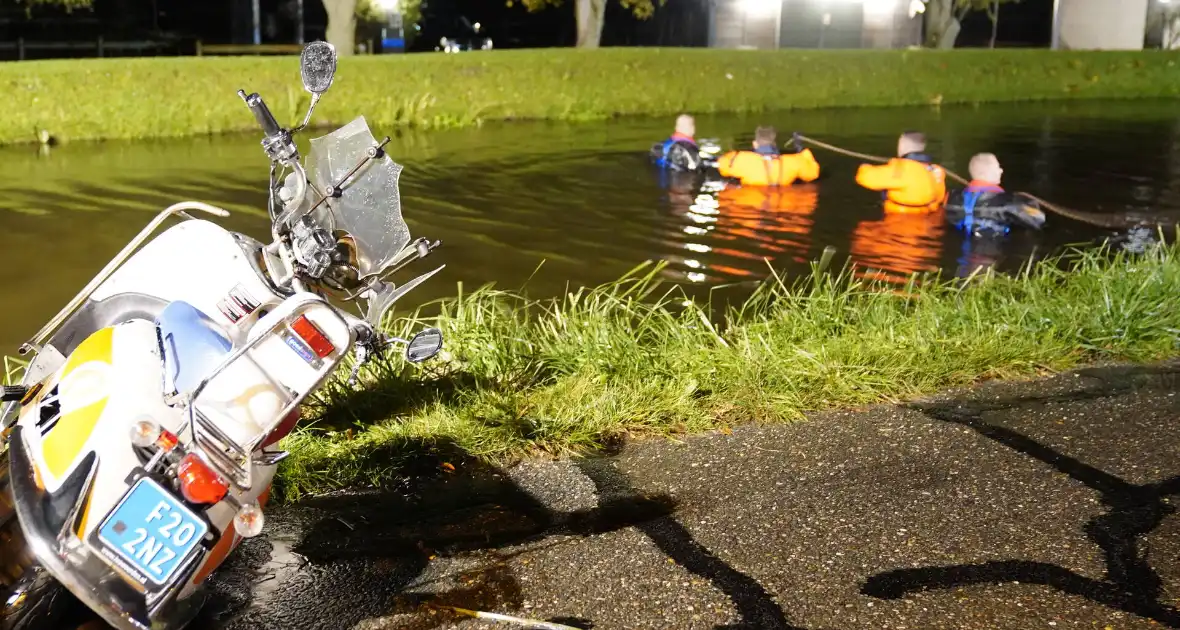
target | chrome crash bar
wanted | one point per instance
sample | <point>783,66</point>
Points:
<point>35,344</point>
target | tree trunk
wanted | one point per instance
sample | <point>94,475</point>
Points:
<point>951,34</point>
<point>590,15</point>
<point>342,25</point>
<point>942,28</point>
<point>994,14</point>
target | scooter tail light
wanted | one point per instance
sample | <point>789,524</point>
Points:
<point>198,482</point>
<point>312,336</point>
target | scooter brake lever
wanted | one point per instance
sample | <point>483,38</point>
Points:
<point>366,349</point>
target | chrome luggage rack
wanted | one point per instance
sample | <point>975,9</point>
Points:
<point>219,451</point>
<point>228,458</point>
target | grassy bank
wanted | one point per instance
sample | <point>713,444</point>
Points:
<point>167,97</point>
<point>633,357</point>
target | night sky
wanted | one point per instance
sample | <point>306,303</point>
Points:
<point>677,23</point>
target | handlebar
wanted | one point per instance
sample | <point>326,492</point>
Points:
<point>262,114</point>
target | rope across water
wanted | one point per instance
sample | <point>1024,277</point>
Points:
<point>1093,218</point>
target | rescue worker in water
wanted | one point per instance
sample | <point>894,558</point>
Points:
<point>680,150</point>
<point>765,166</point>
<point>686,128</point>
<point>911,182</point>
<point>983,207</point>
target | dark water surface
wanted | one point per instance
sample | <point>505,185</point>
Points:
<point>581,198</point>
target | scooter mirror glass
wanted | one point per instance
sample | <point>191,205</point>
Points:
<point>424,345</point>
<point>317,65</point>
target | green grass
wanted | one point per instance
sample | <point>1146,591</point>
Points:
<point>168,97</point>
<point>634,357</point>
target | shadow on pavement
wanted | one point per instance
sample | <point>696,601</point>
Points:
<point>754,604</point>
<point>358,553</point>
<point>359,557</point>
<point>1131,584</point>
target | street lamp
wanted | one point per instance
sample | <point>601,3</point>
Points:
<point>393,20</point>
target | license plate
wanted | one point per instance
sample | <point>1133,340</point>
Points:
<point>150,533</point>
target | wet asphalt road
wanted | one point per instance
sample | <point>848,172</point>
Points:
<point>1046,504</point>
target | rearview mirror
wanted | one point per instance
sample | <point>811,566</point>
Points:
<point>424,345</point>
<point>317,65</point>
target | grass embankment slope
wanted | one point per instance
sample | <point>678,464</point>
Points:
<point>169,97</point>
<point>634,357</point>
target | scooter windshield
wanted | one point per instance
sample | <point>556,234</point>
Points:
<point>368,207</point>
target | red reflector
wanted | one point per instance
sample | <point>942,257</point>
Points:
<point>198,482</point>
<point>167,440</point>
<point>310,334</point>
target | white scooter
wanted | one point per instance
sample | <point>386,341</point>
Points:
<point>141,443</point>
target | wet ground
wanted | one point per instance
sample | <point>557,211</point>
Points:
<point>548,206</point>
<point>1046,504</point>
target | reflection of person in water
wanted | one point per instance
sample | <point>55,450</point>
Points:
<point>727,233</point>
<point>984,207</point>
<point>898,246</point>
<point>979,253</point>
<point>681,188</point>
<point>765,166</point>
<point>770,222</point>
<point>911,182</point>
<point>680,151</point>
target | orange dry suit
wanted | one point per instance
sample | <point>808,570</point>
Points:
<point>912,183</point>
<point>767,167</point>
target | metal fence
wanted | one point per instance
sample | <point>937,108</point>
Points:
<point>24,49</point>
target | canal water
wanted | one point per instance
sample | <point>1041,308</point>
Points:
<point>544,206</point>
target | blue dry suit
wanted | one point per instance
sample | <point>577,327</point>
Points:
<point>987,208</point>
<point>971,221</point>
<point>678,153</point>
<point>986,213</point>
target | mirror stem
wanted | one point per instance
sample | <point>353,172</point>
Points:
<point>315,98</point>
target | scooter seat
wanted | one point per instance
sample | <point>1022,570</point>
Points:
<point>193,346</point>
